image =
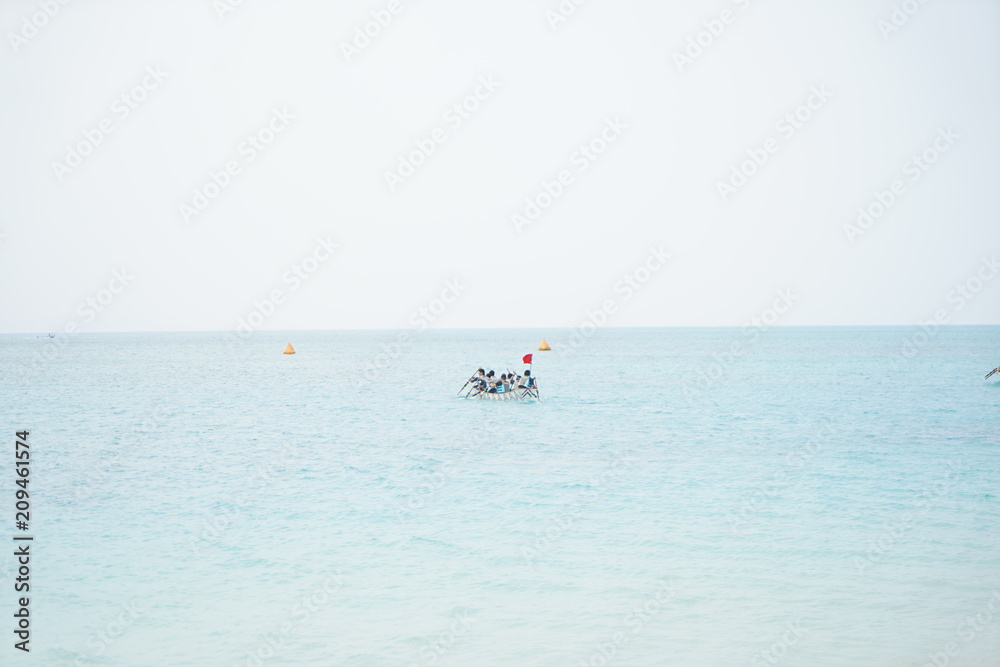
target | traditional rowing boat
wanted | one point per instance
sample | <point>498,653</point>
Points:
<point>505,394</point>
<point>508,387</point>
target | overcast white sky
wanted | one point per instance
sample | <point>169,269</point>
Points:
<point>323,175</point>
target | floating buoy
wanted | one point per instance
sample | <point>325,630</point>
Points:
<point>289,349</point>
<point>544,346</point>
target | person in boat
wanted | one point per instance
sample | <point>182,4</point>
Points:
<point>527,384</point>
<point>479,381</point>
<point>474,381</point>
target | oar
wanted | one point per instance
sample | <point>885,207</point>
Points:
<point>484,392</point>
<point>472,390</point>
<point>992,372</point>
<point>466,384</point>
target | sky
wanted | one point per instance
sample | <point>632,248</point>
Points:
<point>211,164</point>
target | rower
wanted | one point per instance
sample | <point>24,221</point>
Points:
<point>474,381</point>
<point>527,384</point>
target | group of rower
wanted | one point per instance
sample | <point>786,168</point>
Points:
<point>486,382</point>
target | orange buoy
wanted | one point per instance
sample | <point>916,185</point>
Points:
<point>289,349</point>
<point>544,346</point>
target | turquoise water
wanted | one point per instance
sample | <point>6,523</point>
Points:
<point>821,497</point>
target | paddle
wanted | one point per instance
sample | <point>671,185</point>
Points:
<point>484,390</point>
<point>466,384</point>
<point>474,387</point>
<point>532,390</point>
<point>992,372</point>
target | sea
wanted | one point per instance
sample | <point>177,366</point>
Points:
<point>686,496</point>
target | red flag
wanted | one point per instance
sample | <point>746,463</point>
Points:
<point>526,359</point>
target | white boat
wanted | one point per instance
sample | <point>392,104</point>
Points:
<point>522,388</point>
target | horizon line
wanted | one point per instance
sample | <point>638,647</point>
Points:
<point>45,334</point>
